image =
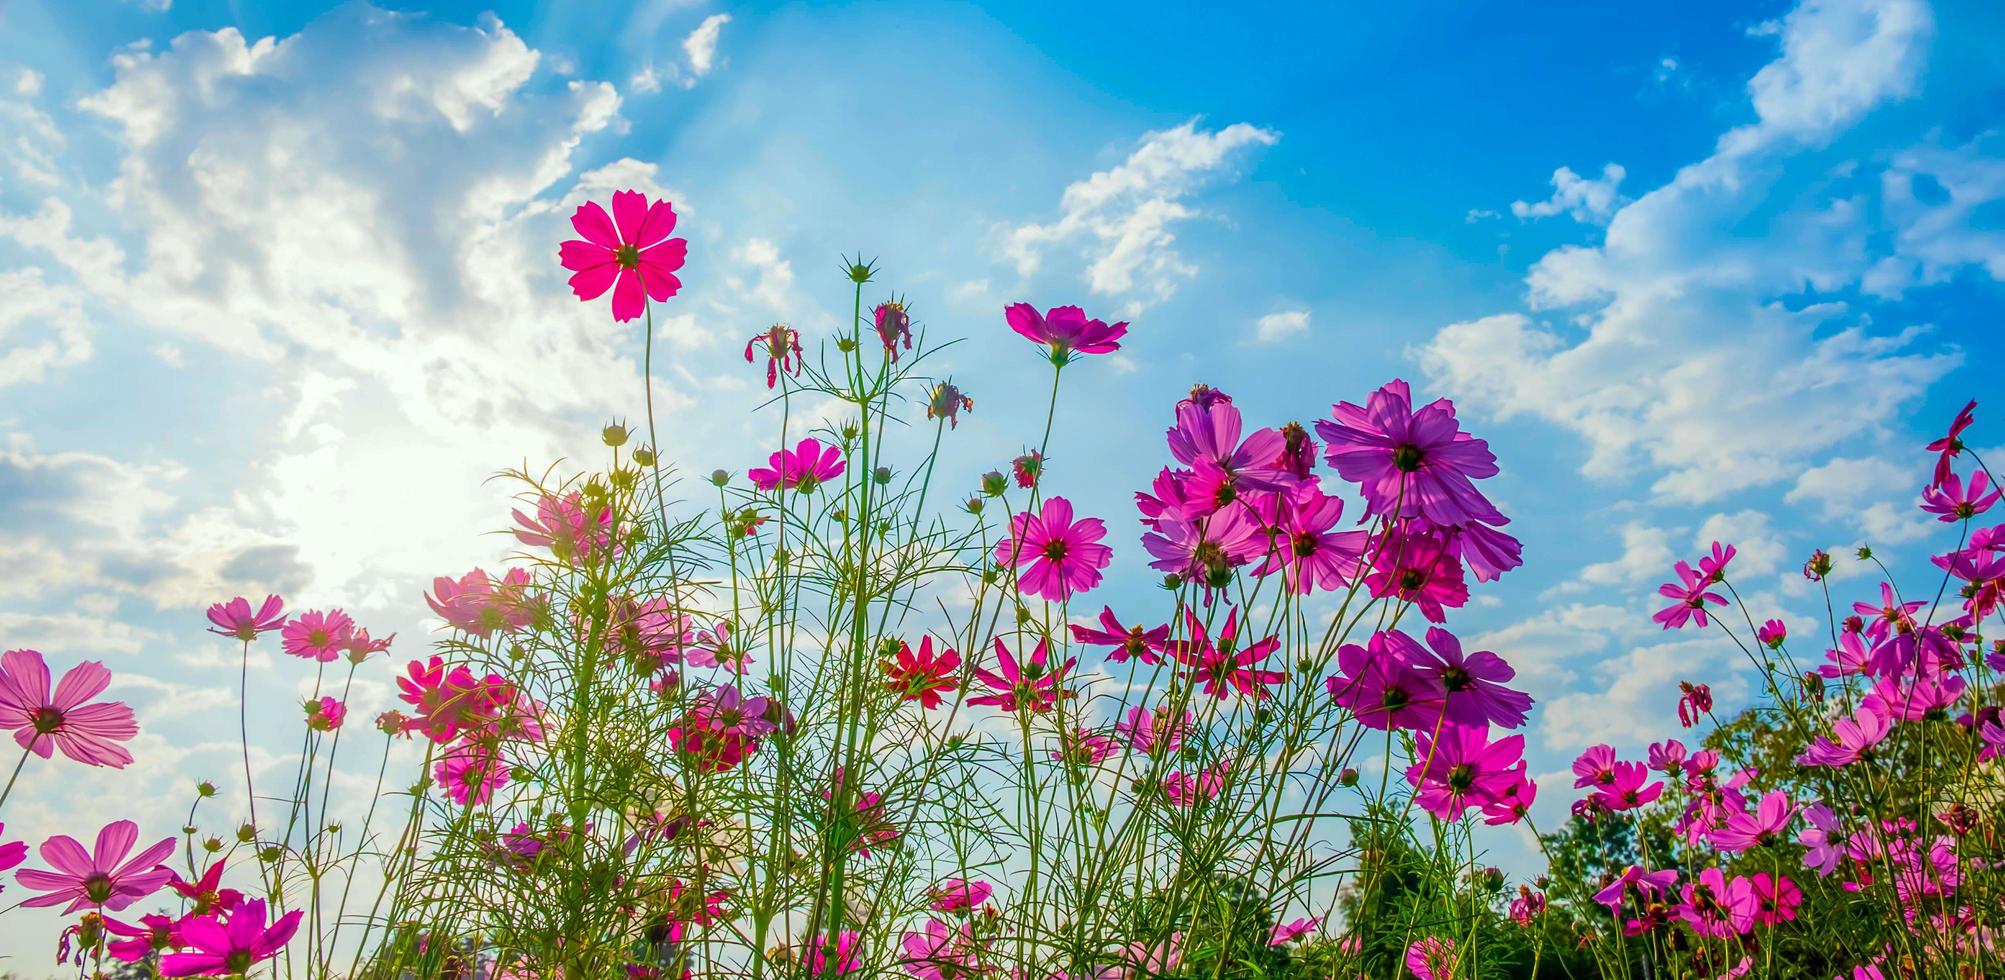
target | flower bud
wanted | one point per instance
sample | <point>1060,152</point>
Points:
<point>614,435</point>
<point>213,844</point>
<point>882,475</point>
<point>1348,777</point>
<point>720,477</point>
<point>994,483</point>
<point>973,505</point>
<point>644,456</point>
<point>205,789</point>
<point>1865,553</point>
<point>247,833</point>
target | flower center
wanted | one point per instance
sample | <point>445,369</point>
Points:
<point>1412,578</point>
<point>1408,457</point>
<point>1305,545</point>
<point>47,720</point>
<point>1055,550</point>
<point>1461,777</point>
<point>1455,678</point>
<point>97,888</point>
<point>627,256</point>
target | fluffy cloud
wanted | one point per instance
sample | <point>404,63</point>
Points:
<point>1119,220</point>
<point>701,44</point>
<point>1688,360</point>
<point>1276,327</point>
<point>1586,200</point>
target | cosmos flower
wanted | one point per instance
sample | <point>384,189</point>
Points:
<point>629,253</point>
<point>1382,685</point>
<point>325,714</point>
<point>1856,737</point>
<point>1630,788</point>
<point>921,676</point>
<point>103,877</point>
<point>836,959</point>
<point>1027,686</point>
<point>1065,330</point>
<point>1767,824</point>
<point>958,895</point>
<point>1287,932</point>
<point>1084,748</point>
<point>1307,546</point>
<point>235,618</point>
<point>1184,789</point>
<point>316,635</point>
<point>207,892</point>
<point>1775,899</point>
<point>475,604</point>
<point>1152,732</point>
<point>217,947</point>
<point>1432,958</point>
<point>1141,643</point>
<point>892,324</point>
<point>1948,446</point>
<point>782,346</point>
<point>1414,565</point>
<point>1476,695</point>
<point>470,773</point>
<point>1772,634</point>
<point>1065,556</point>
<point>808,465</point>
<point>1715,907</point>
<point>941,951</point>
<point>948,402</point>
<point>1462,768</point>
<point>1692,595</point>
<point>155,933</point>
<point>44,720</point>
<point>1513,803</point>
<point>1951,500</point>
<point>1410,463</point>
<point>1218,667</point>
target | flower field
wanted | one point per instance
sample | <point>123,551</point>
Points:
<point>851,714</point>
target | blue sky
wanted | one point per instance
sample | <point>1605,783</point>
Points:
<point>278,289</point>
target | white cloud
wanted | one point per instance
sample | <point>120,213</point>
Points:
<point>1586,200</point>
<point>28,82</point>
<point>1932,197</point>
<point>1871,498</point>
<point>1119,220</point>
<point>1276,327</point>
<point>646,81</point>
<point>1688,363</point>
<point>42,327</point>
<point>1759,548</point>
<point>1646,553</point>
<point>701,44</point>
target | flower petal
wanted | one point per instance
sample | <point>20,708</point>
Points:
<point>590,220</point>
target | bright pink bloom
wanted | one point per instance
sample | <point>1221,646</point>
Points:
<point>1947,447</point>
<point>235,618</point>
<point>1463,768</point>
<point>1951,501</point>
<point>1775,899</point>
<point>1158,960</point>
<point>316,635</point>
<point>154,934</point>
<point>1143,644</point>
<point>103,877</point>
<point>1595,767</point>
<point>1065,556</point>
<point>1647,884</point>
<point>1026,468</point>
<point>1628,790</point>
<point>562,526</point>
<point>477,605</point>
<point>1307,546</point>
<point>1084,748</point>
<point>1527,907</point>
<point>207,892</point>
<point>233,947</point>
<point>1691,591</point>
<point>1150,732</point>
<point>1410,463</point>
<point>782,346</point>
<point>1668,757</point>
<point>958,895</point>
<point>921,676</point>
<point>44,721</point>
<point>1222,665</point>
<point>1382,684</point>
<point>1849,657</point>
<point>12,854</point>
<point>1432,958</point>
<point>325,715</point>
<point>1715,907</point>
<point>470,773</point>
<point>807,466</point>
<point>1856,737</point>
<point>1066,330</point>
<point>1029,686</point>
<point>1693,703</point>
<point>1415,565</point>
<point>1476,695</point>
<point>1772,634</point>
<point>1513,803</point>
<point>942,951</point>
<point>1188,789</point>
<point>1288,932</point>
<point>629,253</point>
<point>825,960</point>
<point>1769,823</point>
<point>1714,566</point>
<point>1206,439</point>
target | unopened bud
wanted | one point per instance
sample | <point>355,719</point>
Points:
<point>614,435</point>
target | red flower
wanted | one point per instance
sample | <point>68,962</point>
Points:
<point>921,677</point>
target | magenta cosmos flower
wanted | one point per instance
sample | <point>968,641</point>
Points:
<point>1031,685</point>
<point>1066,330</point>
<point>1383,684</point>
<point>1947,447</point>
<point>1463,768</point>
<point>1065,556</point>
<point>1692,595</point>
<point>808,465</point>
<point>1307,545</point>
<point>1138,642</point>
<point>235,618</point>
<point>1223,667</point>
<point>1474,682</point>
<point>1432,958</point>
<point>217,947</point>
<point>45,720</point>
<point>101,878</point>
<point>1410,463</point>
<point>1952,500</point>
<point>782,347</point>
<point>316,635</point>
<point>630,253</point>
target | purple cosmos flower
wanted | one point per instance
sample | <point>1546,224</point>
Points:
<point>103,877</point>
<point>1410,462</point>
<point>1065,330</point>
<point>1474,683</point>
<point>1145,645</point>
<point>1065,556</point>
<point>1856,737</point>
<point>1951,500</point>
<point>1948,446</point>
<point>1381,685</point>
<point>1463,768</point>
<point>1222,665</point>
<point>217,947</point>
<point>1691,594</point>
<point>808,465</point>
<point>1307,547</point>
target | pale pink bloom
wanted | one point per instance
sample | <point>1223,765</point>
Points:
<point>1065,330</point>
<point>561,525</point>
<point>1149,732</point>
<point>235,618</point>
<point>325,715</point>
<point>1432,958</point>
<point>958,895</point>
<point>1186,789</point>
<point>316,635</point>
<point>1157,960</point>
<point>477,605</point>
<point>44,721</point>
<point>942,951</point>
<point>805,467</point>
<point>470,773</point>
<point>1288,932</point>
<point>103,877</point>
<point>217,947</point>
<point>1856,737</point>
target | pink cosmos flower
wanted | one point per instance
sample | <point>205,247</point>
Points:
<point>1914,698</point>
<point>1026,468</point>
<point>1065,557</point>
<point>1288,932</point>
<point>1767,824</point>
<point>1947,447</point>
<point>1775,899</point>
<point>1513,803</point>
<point>316,635</point>
<point>1856,737</point>
<point>1823,840</point>
<point>1150,732</point>
<point>921,676</point>
<point>1648,885</point>
<point>1432,958</point>
<point>1222,665</point>
<point>1463,768</point>
<point>782,346</point>
<point>1160,959</point>
<point>1084,748</point>
<point>1029,686</point>
<point>1694,702</point>
<point>630,253</point>
<point>155,933</point>
<point>12,854</point>
<point>1951,501</point>
<point>1714,566</point>
<point>1410,463</point>
<point>325,715</point>
<point>1065,330</point>
<point>958,895</point>
<point>1692,595</point>
<point>1772,634</point>
<point>1595,767</point>
<point>1206,438</point>
<point>207,892</point>
<point>562,526</point>
<point>103,877</point>
<point>233,947</point>
<point>1141,643</point>
<point>941,951</point>
<point>948,402</point>
<point>44,721</point>
<point>1849,657</point>
<point>807,466</point>
<point>828,960</point>
<point>1668,757</point>
<point>1715,907</point>
<point>477,605</point>
<point>235,618</point>
<point>1184,789</point>
<point>470,773</point>
<point>1383,686</point>
<point>1628,790</point>
<point>1527,907</point>
<point>1307,546</point>
<point>1476,695</point>
<point>1415,565</point>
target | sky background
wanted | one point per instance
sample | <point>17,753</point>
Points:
<point>278,291</point>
